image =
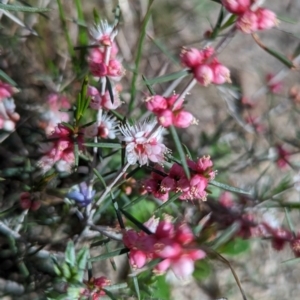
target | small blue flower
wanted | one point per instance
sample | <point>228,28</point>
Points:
<point>81,194</point>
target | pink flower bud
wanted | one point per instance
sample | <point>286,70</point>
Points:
<point>156,103</point>
<point>236,6</point>
<point>266,19</point>
<point>248,22</point>
<point>221,74</point>
<point>137,258</point>
<point>184,234</point>
<point>204,74</point>
<point>183,119</point>
<point>191,57</point>
<point>165,118</point>
<point>115,68</point>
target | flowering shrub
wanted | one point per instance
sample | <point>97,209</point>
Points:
<point>98,164</point>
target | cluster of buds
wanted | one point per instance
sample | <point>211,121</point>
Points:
<point>172,244</point>
<point>8,116</point>
<point>144,143</point>
<point>280,155</point>
<point>205,67</point>
<point>29,201</point>
<point>94,289</point>
<point>61,147</point>
<point>53,114</point>
<point>161,184</point>
<point>103,59</point>
<point>169,114</point>
<point>251,18</point>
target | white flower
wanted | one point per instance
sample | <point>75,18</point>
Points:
<point>107,129</point>
<point>103,31</point>
<point>143,143</point>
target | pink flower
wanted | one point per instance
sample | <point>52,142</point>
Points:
<point>236,6</point>
<point>94,288</point>
<point>107,129</point>
<point>174,245</point>
<point>103,33</point>
<point>154,185</point>
<point>143,143</point>
<point>165,117</point>
<point>61,147</point>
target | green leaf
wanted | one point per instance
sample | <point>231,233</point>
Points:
<point>4,76</point>
<point>99,177</point>
<point>202,269</point>
<point>162,289</point>
<point>235,247</point>
<point>104,145</point>
<point>136,287</point>
<point>168,77</point>
<point>149,87</point>
<point>274,53</point>
<point>135,221</point>
<point>225,236</point>
<point>171,200</point>
<point>70,256</point>
<point>81,258</point>
<point>96,17</point>
<point>216,30</point>
<point>229,188</point>
<point>110,91</point>
<point>180,151</point>
<point>135,201</point>
<point>23,8</point>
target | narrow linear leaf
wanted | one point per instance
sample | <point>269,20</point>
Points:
<point>274,53</point>
<point>110,91</point>
<point>149,87</point>
<point>168,77</point>
<point>180,151</point>
<point>229,188</point>
<point>136,287</point>
<point>23,8</point>
<point>135,221</point>
<point>104,145</point>
<point>167,203</point>
<point>135,201</point>
<point>4,76</point>
<point>99,177</point>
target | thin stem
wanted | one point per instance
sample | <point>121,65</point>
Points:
<point>189,86</point>
<point>112,184</point>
